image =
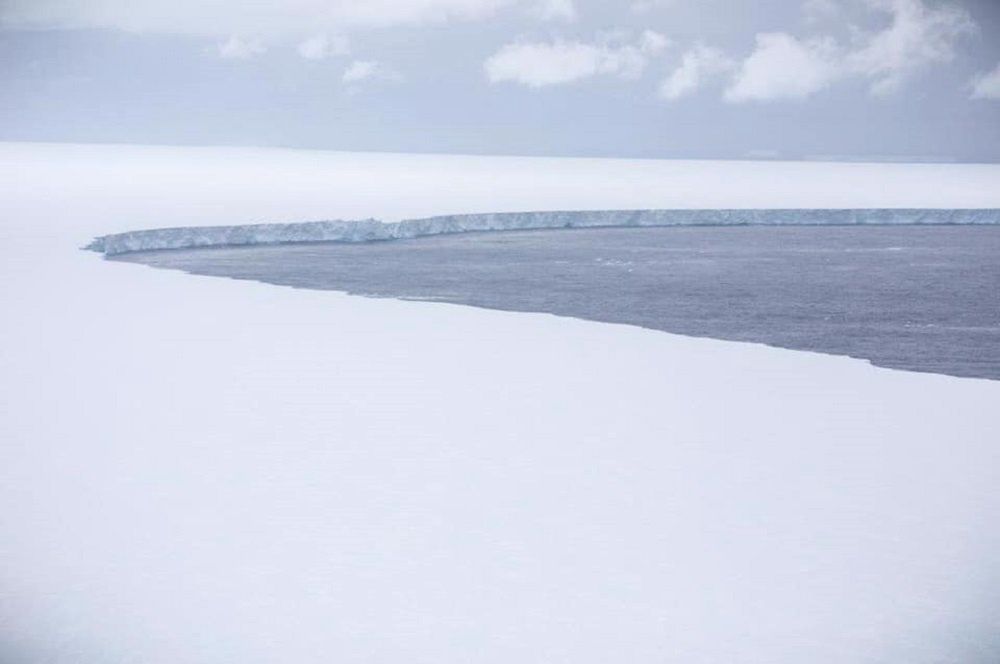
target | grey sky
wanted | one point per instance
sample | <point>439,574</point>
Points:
<point>862,79</point>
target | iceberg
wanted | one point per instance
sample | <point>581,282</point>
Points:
<point>373,230</point>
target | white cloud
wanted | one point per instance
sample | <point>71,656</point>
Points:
<point>321,46</point>
<point>549,10</point>
<point>917,36</point>
<point>538,65</point>
<point>783,67</point>
<point>987,86</point>
<point>365,70</point>
<point>270,19</point>
<point>698,65</point>
<point>359,70</point>
<point>239,48</point>
<point>552,63</point>
<point>652,42</point>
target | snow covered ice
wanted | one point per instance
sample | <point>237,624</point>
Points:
<point>204,470</point>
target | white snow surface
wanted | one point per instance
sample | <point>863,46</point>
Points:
<point>205,470</point>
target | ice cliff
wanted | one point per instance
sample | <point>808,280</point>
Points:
<point>370,230</point>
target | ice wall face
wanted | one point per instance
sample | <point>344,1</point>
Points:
<point>370,230</point>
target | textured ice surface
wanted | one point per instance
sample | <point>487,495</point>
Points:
<point>372,230</point>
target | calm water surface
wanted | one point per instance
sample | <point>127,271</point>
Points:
<point>917,298</point>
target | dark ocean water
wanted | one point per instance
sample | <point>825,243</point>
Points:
<point>922,298</point>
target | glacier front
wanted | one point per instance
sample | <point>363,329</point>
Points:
<point>370,230</point>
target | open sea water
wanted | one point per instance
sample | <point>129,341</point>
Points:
<point>921,298</point>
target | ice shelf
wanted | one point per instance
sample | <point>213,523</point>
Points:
<point>370,230</point>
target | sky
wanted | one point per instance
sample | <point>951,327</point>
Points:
<point>868,80</point>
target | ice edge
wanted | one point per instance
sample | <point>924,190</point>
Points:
<point>371,230</point>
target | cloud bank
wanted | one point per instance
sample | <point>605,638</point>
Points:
<point>917,36</point>
<point>785,67</point>
<point>782,66</point>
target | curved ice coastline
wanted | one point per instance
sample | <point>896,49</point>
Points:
<point>371,230</point>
